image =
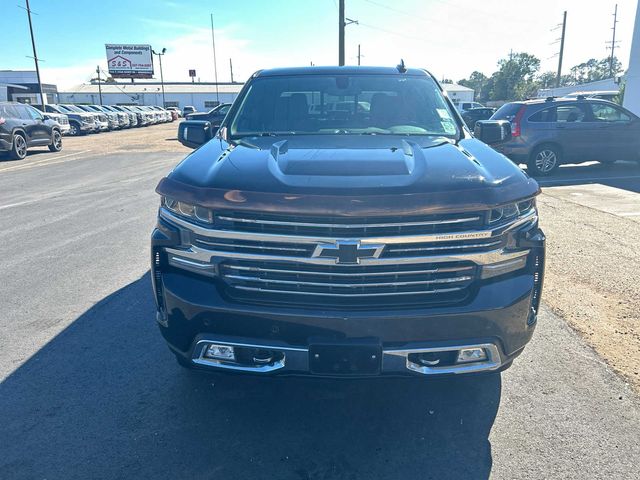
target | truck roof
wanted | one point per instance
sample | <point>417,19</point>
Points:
<point>333,70</point>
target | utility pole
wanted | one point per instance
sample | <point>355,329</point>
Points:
<point>231,68</point>
<point>215,64</point>
<point>35,55</point>
<point>164,50</point>
<point>99,86</point>
<point>613,41</point>
<point>341,33</point>
<point>564,29</point>
<point>359,55</point>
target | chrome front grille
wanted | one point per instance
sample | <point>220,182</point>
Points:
<point>307,283</point>
<point>301,260</point>
<point>347,227</point>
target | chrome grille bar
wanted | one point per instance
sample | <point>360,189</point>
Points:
<point>448,247</point>
<point>252,246</point>
<point>348,225</point>
<point>348,285</point>
<point>326,294</point>
<point>354,274</point>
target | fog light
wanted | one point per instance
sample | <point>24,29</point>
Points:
<point>219,352</point>
<point>467,355</point>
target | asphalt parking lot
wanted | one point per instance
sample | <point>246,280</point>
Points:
<point>89,390</point>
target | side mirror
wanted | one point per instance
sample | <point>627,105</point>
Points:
<point>46,117</point>
<point>193,133</point>
<point>492,131</point>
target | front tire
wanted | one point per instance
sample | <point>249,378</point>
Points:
<point>74,129</point>
<point>56,141</point>
<point>19,147</point>
<point>544,161</point>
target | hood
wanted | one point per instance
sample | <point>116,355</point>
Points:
<point>342,167</point>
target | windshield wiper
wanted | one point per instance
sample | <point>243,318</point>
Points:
<point>270,134</point>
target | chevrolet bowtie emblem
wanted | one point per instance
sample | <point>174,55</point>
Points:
<point>347,251</point>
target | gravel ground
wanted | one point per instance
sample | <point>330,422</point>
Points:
<point>155,138</point>
<point>592,273</point>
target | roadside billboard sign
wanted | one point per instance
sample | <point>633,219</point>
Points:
<point>129,61</point>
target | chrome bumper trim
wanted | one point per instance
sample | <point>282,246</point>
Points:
<point>296,359</point>
<point>493,361</point>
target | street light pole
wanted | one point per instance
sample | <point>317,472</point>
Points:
<point>99,86</point>
<point>215,63</point>
<point>161,76</point>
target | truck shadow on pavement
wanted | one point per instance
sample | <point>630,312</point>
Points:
<point>105,399</point>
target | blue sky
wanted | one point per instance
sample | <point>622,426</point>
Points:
<point>451,38</point>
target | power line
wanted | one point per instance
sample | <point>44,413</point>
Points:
<point>491,15</point>
<point>402,12</point>
<point>391,32</point>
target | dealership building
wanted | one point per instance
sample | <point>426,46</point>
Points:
<point>22,86</point>
<point>203,96</point>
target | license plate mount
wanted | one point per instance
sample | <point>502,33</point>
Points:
<point>347,357</point>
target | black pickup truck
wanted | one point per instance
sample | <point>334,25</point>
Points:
<point>344,222</point>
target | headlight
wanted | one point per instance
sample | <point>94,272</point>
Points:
<point>512,211</point>
<point>187,210</point>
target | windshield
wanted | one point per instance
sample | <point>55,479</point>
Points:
<point>343,104</point>
<point>74,108</point>
<point>507,111</point>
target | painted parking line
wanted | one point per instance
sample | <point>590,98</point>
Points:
<point>46,161</point>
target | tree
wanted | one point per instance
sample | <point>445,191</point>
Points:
<point>515,78</point>
<point>591,71</point>
<point>478,82</point>
<point>547,80</point>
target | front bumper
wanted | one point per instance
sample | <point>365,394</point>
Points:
<point>500,317</point>
<point>193,312</point>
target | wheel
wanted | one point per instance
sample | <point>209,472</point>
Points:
<point>56,141</point>
<point>544,160</point>
<point>19,148</point>
<point>74,129</point>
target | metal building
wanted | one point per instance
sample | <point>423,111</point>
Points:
<point>203,96</point>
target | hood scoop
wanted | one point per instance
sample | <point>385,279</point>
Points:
<point>340,162</point>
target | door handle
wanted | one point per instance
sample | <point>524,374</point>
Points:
<point>561,126</point>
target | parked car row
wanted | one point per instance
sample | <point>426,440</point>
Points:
<point>22,127</point>
<point>545,133</point>
<point>83,119</point>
